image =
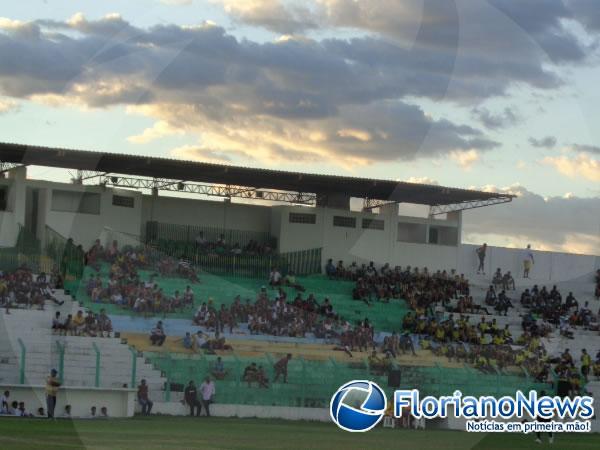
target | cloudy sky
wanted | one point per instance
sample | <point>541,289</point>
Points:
<point>490,94</point>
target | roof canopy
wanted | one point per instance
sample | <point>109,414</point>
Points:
<point>192,171</point>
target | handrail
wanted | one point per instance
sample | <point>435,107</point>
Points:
<point>133,366</point>
<point>97,350</point>
<point>22,368</point>
<point>61,361</point>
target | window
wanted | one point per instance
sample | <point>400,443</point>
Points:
<point>3,198</point>
<point>346,222</point>
<point>121,200</point>
<point>303,218</point>
<point>373,224</point>
<point>76,202</point>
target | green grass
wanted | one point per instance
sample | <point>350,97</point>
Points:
<point>220,433</point>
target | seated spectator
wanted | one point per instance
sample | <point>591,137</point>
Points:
<point>497,280</point>
<point>508,282</point>
<point>275,277</point>
<point>218,370</point>
<point>187,341</point>
<point>490,296</point>
<point>104,412</point>
<point>157,334</point>
<point>77,324</point>
<point>250,374</point>
<point>58,325</point>
<point>261,377</point>
<point>67,412</point>
<point>330,270</point>
<point>104,323</point>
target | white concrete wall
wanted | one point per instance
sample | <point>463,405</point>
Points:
<point>218,214</point>
<point>549,266</point>
<point>15,214</point>
<point>119,402</point>
<point>85,228</point>
<point>247,411</point>
<point>358,244</point>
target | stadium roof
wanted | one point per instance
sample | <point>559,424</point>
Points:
<point>192,171</point>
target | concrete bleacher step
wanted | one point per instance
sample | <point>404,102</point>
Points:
<point>32,327</point>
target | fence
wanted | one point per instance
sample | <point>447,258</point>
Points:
<point>311,383</point>
<point>56,252</point>
<point>156,231</point>
<point>304,262</point>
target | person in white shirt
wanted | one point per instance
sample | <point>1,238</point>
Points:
<point>275,277</point>
<point>4,405</point>
<point>528,261</point>
<point>207,390</point>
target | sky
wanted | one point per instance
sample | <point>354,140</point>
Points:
<point>500,95</point>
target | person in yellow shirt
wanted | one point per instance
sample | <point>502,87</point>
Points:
<point>586,362</point>
<point>52,385</point>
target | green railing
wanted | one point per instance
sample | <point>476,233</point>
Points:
<point>27,242</point>
<point>23,359</point>
<point>133,367</point>
<point>311,383</point>
<point>303,262</point>
<point>61,361</point>
<point>156,231</point>
<point>97,378</point>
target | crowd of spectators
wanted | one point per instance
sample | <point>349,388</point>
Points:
<point>220,246</point>
<point>21,288</point>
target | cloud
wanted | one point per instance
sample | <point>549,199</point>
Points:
<point>582,165</point>
<point>296,99</point>
<point>422,180</point>
<point>545,142</point>
<point>7,106</point>
<point>159,130</point>
<point>546,223</point>
<point>592,149</point>
<point>465,158</point>
<point>177,2</point>
<point>504,119</point>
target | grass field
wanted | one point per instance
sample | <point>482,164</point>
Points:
<point>254,434</point>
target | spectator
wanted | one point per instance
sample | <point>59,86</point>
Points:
<point>208,392</point>
<point>92,414</point>
<point>67,412</point>
<point>481,255</point>
<point>4,402</point>
<point>157,334</point>
<point>281,368</point>
<point>190,397</point>
<point>104,412</point>
<point>218,370</point>
<point>528,261</point>
<point>144,399</point>
<point>52,385</point>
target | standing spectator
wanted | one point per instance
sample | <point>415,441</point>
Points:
<point>208,391</point>
<point>190,396</point>
<point>481,255</point>
<point>144,399</point>
<point>4,405</point>
<point>528,261</point>
<point>52,385</point>
<point>281,368</point>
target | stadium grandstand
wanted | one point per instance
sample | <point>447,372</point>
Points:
<point>278,287</point>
